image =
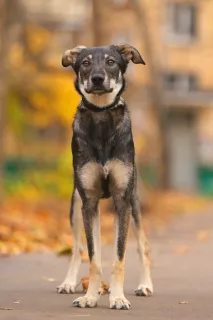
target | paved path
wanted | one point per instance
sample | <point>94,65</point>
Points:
<point>177,277</point>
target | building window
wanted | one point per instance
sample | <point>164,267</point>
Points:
<point>120,3</point>
<point>181,22</point>
<point>180,82</point>
<point>122,37</point>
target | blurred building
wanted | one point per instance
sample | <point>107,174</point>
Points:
<point>181,41</point>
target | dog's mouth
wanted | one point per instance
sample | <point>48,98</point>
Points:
<point>98,91</point>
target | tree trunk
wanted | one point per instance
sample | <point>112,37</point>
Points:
<point>97,7</point>
<point>155,91</point>
<point>3,88</point>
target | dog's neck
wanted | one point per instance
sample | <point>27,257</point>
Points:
<point>95,105</point>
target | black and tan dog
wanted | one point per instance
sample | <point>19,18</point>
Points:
<point>104,166</point>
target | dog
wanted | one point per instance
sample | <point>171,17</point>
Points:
<point>104,166</point>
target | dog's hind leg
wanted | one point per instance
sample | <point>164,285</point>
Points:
<point>69,284</point>
<point>145,287</point>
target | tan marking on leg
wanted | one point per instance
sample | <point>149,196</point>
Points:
<point>117,298</point>
<point>120,173</point>
<point>145,287</point>
<point>92,296</point>
<point>117,279</point>
<point>90,175</point>
<point>118,266</point>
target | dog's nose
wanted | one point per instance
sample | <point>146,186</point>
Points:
<point>97,79</point>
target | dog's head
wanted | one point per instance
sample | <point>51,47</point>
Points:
<point>100,70</point>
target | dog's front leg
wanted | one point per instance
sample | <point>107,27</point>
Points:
<point>117,298</point>
<point>91,218</point>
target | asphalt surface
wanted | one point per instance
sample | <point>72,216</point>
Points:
<point>182,272</point>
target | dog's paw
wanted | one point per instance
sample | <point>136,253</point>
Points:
<point>66,287</point>
<point>87,301</point>
<point>119,303</point>
<point>144,290</point>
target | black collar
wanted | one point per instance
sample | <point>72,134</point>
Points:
<point>93,107</point>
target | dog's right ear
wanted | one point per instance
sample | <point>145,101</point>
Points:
<point>70,56</point>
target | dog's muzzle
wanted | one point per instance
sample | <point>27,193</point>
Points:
<point>97,85</point>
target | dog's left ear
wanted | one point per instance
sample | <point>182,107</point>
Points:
<point>70,56</point>
<point>129,53</point>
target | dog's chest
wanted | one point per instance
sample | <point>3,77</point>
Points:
<point>101,126</point>
<point>100,130</point>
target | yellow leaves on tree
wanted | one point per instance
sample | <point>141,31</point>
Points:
<point>55,99</point>
<point>37,38</point>
<point>47,88</point>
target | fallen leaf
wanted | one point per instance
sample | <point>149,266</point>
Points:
<point>65,251</point>
<point>18,301</point>
<point>50,279</point>
<point>202,235</point>
<point>105,287</point>
<point>85,284</point>
<point>182,249</point>
<point>4,232</point>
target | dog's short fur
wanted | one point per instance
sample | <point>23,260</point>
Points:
<point>104,166</point>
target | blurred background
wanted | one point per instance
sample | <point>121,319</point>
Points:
<point>170,100</point>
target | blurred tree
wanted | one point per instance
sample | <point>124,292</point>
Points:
<point>38,94</point>
<point>39,103</point>
<point>97,30</point>
<point>42,104</point>
<point>155,90</point>
<point>3,84</point>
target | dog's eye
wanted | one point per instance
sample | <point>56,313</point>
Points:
<point>86,63</point>
<point>110,62</point>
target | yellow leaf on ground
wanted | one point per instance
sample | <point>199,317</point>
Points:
<point>202,235</point>
<point>182,249</point>
<point>50,279</point>
<point>85,284</point>
<point>17,302</point>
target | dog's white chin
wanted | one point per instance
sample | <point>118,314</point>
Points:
<point>101,100</point>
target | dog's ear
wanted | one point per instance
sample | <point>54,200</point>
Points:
<point>70,56</point>
<point>129,53</point>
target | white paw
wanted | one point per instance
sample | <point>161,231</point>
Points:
<point>87,301</point>
<point>119,303</point>
<point>144,290</point>
<point>66,287</point>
